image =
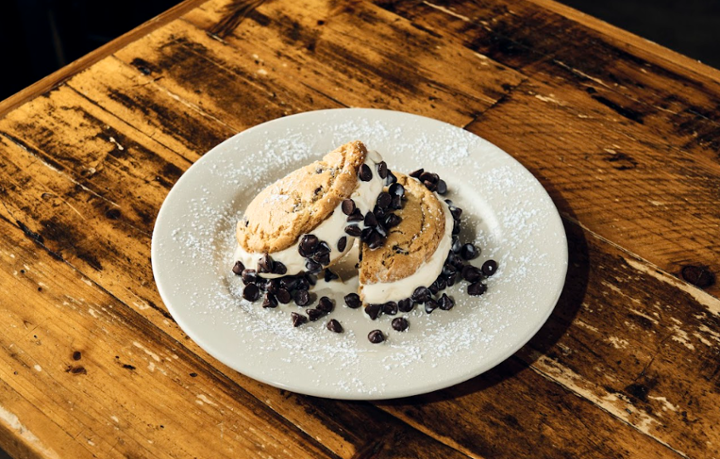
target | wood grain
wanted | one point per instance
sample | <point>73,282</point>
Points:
<point>644,101</point>
<point>622,135</point>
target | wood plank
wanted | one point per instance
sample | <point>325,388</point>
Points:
<point>33,192</point>
<point>622,183</point>
<point>135,98</point>
<point>326,63</point>
<point>334,420</point>
<point>110,381</point>
<point>56,78</point>
<point>658,95</point>
<point>337,422</point>
<point>628,340</point>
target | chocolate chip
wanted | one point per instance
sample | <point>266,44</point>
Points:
<point>353,230</point>
<point>390,179</point>
<point>396,203</point>
<point>273,285</point>
<point>400,324</point>
<point>390,308</point>
<point>279,268</point>
<point>456,261</point>
<point>450,280</point>
<point>313,267</point>
<point>476,289</point>
<point>269,301</point>
<point>379,212</point>
<point>430,305</point>
<point>325,304</point>
<point>417,173</point>
<point>457,245</point>
<point>251,292</point>
<point>441,187</point>
<point>370,219</point>
<point>375,241</point>
<point>249,276</point>
<point>471,273</point>
<point>445,302</point>
<point>323,247</point>
<point>265,264</point>
<point>430,185</point>
<point>348,206</point>
<point>380,229</point>
<point>298,319</point>
<point>421,295</point>
<point>440,281</point>
<point>352,300</point>
<point>308,245</point>
<point>310,278</point>
<point>322,258</point>
<point>456,212</point>
<point>330,276</point>
<point>699,276</point>
<point>376,337</point>
<point>238,268</point>
<point>356,216</point>
<point>397,190</point>
<point>315,314</point>
<point>283,296</point>
<point>428,177</point>
<point>449,270</point>
<point>301,297</point>
<point>334,326</point>
<point>406,305</point>
<point>384,200</point>
<point>341,244</point>
<point>469,252</point>
<point>261,283</point>
<point>365,173</point>
<point>382,169</point>
<point>434,288</point>
<point>301,283</point>
<point>456,227</point>
<point>489,267</point>
<point>288,282</point>
<point>373,310</point>
<point>391,220</point>
<point>365,234</point>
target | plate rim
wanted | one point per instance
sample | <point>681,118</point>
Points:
<point>385,393</point>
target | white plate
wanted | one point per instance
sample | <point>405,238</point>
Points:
<point>506,212</point>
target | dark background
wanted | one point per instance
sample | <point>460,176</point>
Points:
<point>40,36</point>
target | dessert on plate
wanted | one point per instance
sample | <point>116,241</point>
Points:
<point>408,235</point>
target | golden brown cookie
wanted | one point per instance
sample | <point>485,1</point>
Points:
<point>412,242</point>
<point>300,201</point>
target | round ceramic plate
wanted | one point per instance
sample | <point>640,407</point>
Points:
<point>507,213</point>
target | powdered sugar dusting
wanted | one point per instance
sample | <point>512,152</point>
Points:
<point>506,213</point>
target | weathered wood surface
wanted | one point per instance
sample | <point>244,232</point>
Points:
<point>623,134</point>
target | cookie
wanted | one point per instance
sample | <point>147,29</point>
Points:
<point>300,201</point>
<point>415,250</point>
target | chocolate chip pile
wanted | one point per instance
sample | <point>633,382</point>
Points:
<point>376,223</point>
<point>373,232</point>
<point>455,269</point>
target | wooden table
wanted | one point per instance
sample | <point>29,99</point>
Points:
<point>624,135</point>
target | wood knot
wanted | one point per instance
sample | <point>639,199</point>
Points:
<point>699,276</point>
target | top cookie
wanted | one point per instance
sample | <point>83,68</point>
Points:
<point>412,242</point>
<point>297,203</point>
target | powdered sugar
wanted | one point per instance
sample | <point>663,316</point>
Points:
<point>506,213</point>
